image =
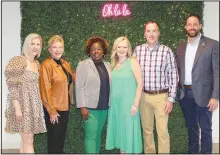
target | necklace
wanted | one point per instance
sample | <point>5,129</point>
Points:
<point>119,65</point>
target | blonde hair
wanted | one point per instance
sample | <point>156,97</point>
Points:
<point>55,38</point>
<point>27,44</point>
<point>114,56</point>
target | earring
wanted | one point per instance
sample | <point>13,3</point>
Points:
<point>104,56</point>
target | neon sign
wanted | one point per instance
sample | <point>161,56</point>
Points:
<point>115,10</point>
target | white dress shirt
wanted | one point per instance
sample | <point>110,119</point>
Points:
<point>191,49</point>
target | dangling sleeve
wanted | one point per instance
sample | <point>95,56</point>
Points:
<point>13,73</point>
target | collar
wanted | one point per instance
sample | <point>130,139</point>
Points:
<point>54,61</point>
<point>90,60</point>
<point>155,47</point>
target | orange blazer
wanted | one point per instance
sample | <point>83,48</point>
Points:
<point>54,85</point>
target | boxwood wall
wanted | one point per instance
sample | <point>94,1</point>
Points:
<point>77,21</point>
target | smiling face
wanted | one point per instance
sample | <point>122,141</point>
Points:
<point>122,49</point>
<point>193,26</point>
<point>96,51</point>
<point>56,50</point>
<point>35,47</point>
<point>152,33</point>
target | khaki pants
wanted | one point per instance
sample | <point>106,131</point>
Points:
<point>153,105</point>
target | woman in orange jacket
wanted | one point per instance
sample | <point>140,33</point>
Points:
<point>56,77</point>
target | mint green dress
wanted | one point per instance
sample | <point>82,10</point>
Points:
<point>123,130</point>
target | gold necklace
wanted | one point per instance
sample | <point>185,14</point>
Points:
<point>118,65</point>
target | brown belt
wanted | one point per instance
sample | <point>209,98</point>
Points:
<point>188,86</point>
<point>156,92</point>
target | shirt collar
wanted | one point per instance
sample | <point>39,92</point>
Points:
<point>54,62</point>
<point>157,45</point>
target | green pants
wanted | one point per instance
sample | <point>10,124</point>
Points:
<point>93,130</point>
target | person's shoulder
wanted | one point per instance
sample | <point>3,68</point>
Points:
<point>139,46</point>
<point>46,62</point>
<point>207,39</point>
<point>181,44</point>
<point>133,60</point>
<point>165,47</point>
<point>17,62</point>
<point>16,65</point>
<point>65,61</point>
<point>17,59</point>
<point>84,62</point>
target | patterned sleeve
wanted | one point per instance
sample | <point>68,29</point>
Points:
<point>173,76</point>
<point>13,73</point>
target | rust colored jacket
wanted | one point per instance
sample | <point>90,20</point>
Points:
<point>54,85</point>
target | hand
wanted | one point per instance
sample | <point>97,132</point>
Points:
<point>18,114</point>
<point>168,107</point>
<point>134,110</point>
<point>213,104</point>
<point>54,118</point>
<point>85,113</point>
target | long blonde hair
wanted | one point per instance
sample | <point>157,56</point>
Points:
<point>114,57</point>
<point>27,44</point>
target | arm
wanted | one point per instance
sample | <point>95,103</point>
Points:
<point>81,74</point>
<point>172,76</point>
<point>215,66</point>
<point>213,103</point>
<point>13,73</point>
<point>45,90</point>
<point>138,77</point>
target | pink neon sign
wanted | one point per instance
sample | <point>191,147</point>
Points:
<point>115,10</point>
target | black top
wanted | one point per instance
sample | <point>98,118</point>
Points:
<point>68,75</point>
<point>104,86</point>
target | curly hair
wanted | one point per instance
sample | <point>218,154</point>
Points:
<point>95,39</point>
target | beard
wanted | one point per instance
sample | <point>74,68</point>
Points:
<point>193,34</point>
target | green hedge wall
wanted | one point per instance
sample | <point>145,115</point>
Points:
<point>77,21</point>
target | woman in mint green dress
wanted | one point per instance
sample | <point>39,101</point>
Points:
<point>124,127</point>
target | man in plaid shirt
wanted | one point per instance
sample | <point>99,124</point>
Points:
<point>160,79</point>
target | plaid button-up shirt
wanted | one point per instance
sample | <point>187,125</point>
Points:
<point>159,68</point>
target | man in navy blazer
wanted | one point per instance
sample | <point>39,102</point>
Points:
<point>198,92</point>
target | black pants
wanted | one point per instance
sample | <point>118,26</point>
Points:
<point>56,132</point>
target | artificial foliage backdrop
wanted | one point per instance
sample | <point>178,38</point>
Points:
<point>77,21</point>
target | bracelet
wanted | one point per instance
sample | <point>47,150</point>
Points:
<point>135,106</point>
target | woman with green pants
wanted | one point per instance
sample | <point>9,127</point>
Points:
<point>93,91</point>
